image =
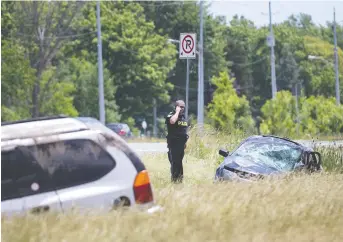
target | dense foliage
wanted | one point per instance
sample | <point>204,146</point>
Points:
<point>49,66</point>
<point>227,110</point>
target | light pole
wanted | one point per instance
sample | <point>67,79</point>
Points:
<point>338,101</point>
<point>100,69</point>
<point>200,116</point>
<point>272,55</point>
<point>297,84</point>
<point>313,57</point>
<point>154,131</point>
<point>271,44</point>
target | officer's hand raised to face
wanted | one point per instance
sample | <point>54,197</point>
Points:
<point>174,118</point>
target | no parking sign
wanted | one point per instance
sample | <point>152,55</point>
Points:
<point>187,47</point>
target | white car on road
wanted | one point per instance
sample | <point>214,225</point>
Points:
<point>58,163</point>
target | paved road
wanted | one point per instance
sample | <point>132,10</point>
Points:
<point>162,147</point>
<point>149,147</point>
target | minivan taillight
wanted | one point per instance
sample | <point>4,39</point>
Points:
<point>142,188</point>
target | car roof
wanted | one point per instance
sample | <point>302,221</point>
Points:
<point>273,137</point>
<point>256,138</point>
<point>47,126</point>
<point>117,124</point>
<point>18,132</point>
<point>87,119</point>
<point>39,127</point>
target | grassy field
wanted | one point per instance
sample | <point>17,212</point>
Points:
<point>157,140</point>
<point>211,131</point>
<point>145,140</point>
<point>296,208</point>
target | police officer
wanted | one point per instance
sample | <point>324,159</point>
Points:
<point>176,139</point>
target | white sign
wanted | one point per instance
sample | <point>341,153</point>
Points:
<point>270,40</point>
<point>187,46</point>
<point>144,125</point>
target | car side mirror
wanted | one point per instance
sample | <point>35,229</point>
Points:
<point>223,153</point>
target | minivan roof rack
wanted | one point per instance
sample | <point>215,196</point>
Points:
<point>34,119</point>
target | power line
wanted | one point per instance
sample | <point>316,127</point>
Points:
<point>166,3</point>
<point>61,36</point>
<point>157,3</point>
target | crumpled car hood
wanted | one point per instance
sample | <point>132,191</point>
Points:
<point>246,165</point>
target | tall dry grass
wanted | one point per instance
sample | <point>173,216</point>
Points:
<point>296,208</point>
<point>332,158</point>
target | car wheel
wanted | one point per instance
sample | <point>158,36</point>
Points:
<point>121,202</point>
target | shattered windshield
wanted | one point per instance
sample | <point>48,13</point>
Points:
<point>280,155</point>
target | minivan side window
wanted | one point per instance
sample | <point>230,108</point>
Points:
<point>8,189</point>
<point>73,162</point>
<point>20,171</point>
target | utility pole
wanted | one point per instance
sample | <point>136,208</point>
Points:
<point>100,69</point>
<point>200,118</point>
<point>272,55</point>
<point>187,88</point>
<point>338,102</point>
<point>297,106</point>
<point>154,132</point>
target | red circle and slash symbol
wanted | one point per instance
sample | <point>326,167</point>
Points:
<point>187,44</point>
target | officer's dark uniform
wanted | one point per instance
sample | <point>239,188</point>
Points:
<point>176,139</point>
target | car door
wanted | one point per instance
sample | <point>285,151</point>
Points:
<point>90,177</point>
<point>33,183</point>
<point>11,202</point>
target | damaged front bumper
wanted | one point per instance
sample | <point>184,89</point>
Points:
<point>223,174</point>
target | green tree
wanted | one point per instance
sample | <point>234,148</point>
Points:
<point>84,75</point>
<point>17,78</point>
<point>227,110</point>
<point>138,59</point>
<point>40,28</point>
<point>279,115</point>
<point>240,51</point>
<point>319,75</point>
<point>317,115</point>
<point>288,69</point>
<point>322,116</point>
<point>303,24</point>
<point>56,94</point>
<point>171,19</point>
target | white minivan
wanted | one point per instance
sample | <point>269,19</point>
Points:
<point>58,163</point>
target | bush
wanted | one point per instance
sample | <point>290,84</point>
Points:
<point>317,116</point>
<point>227,110</point>
<point>207,144</point>
<point>322,116</point>
<point>278,115</point>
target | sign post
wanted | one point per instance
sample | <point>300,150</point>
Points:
<point>144,126</point>
<point>187,50</point>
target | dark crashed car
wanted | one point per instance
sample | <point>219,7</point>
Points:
<point>260,156</point>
